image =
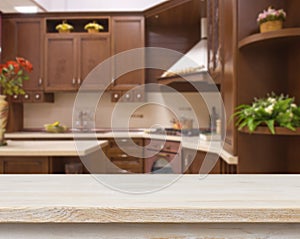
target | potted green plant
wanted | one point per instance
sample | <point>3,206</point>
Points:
<point>271,19</point>
<point>12,75</point>
<point>273,110</point>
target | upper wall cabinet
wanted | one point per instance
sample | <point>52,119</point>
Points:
<point>23,37</point>
<point>17,43</point>
<point>127,34</point>
<point>70,57</point>
<point>173,25</point>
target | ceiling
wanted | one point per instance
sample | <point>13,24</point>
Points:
<point>7,6</point>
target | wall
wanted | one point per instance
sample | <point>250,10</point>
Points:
<point>158,110</point>
<point>97,5</point>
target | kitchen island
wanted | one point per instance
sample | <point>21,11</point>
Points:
<point>193,143</point>
<point>194,206</point>
<point>32,156</point>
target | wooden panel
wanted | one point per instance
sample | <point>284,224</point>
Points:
<point>175,27</point>
<point>93,50</point>
<point>61,63</point>
<point>15,117</point>
<point>20,165</point>
<point>229,81</point>
<point>249,11</point>
<point>128,33</point>
<point>9,49</point>
<point>30,46</point>
<point>130,165</point>
<point>193,161</point>
<point>262,154</point>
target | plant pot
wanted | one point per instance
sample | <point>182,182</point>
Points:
<point>64,31</point>
<point>92,30</point>
<point>270,26</point>
<point>3,118</point>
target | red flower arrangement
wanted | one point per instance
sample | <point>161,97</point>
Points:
<point>12,75</point>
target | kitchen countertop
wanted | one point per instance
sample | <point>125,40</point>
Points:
<point>190,199</point>
<point>50,148</point>
<point>187,142</point>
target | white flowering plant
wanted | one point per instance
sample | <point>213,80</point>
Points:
<point>273,110</point>
<point>271,15</point>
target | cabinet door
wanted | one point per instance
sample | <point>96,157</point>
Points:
<point>93,51</point>
<point>23,37</point>
<point>194,162</point>
<point>60,70</point>
<point>16,165</point>
<point>29,44</point>
<point>214,40</point>
<point>128,33</point>
<point>229,65</point>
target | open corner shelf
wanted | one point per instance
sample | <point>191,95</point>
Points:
<point>278,131</point>
<point>259,37</point>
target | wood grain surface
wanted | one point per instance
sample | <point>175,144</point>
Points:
<point>186,199</point>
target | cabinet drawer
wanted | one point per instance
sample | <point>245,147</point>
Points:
<point>16,165</point>
<point>132,165</point>
<point>121,147</point>
<point>115,143</point>
<point>160,145</point>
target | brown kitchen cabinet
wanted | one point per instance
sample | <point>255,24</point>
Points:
<point>70,57</point>
<point>163,156</point>
<point>23,37</point>
<point>120,153</point>
<point>253,65</point>
<point>214,39</point>
<point>199,162</point>
<point>21,165</point>
<point>127,33</point>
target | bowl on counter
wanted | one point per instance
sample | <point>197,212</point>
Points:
<point>50,128</point>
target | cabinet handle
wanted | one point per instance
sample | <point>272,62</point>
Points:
<point>78,81</point>
<point>37,96</point>
<point>138,96</point>
<point>163,155</point>
<point>15,97</point>
<point>73,81</point>
<point>26,96</point>
<point>40,81</point>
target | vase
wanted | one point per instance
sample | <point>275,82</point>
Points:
<point>3,118</point>
<point>270,26</point>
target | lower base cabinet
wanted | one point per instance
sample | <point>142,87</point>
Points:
<point>20,165</point>
<point>41,165</point>
<point>125,156</point>
<point>199,162</point>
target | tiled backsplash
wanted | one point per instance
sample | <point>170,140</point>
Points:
<point>144,115</point>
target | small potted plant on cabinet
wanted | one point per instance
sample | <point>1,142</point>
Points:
<point>271,19</point>
<point>270,111</point>
<point>12,75</point>
<point>64,27</point>
<point>93,27</point>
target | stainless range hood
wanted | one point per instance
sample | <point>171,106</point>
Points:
<point>192,66</point>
